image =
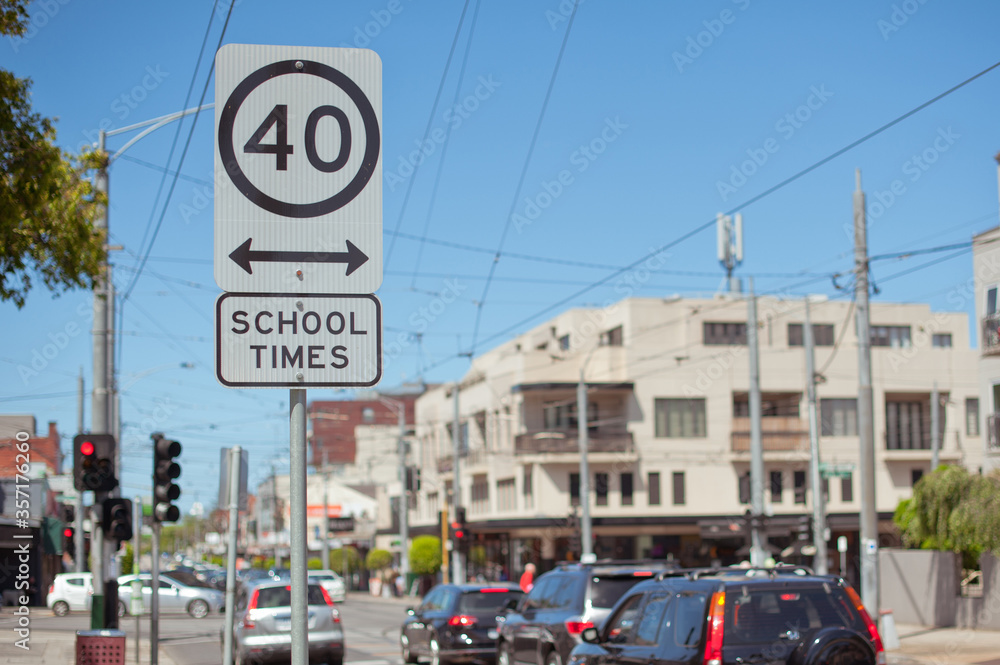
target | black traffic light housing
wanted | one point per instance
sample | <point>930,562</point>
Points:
<point>803,528</point>
<point>457,528</point>
<point>165,471</point>
<point>94,462</point>
<point>116,519</point>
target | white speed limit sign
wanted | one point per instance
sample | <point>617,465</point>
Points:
<point>298,172</point>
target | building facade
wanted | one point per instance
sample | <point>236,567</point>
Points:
<point>667,385</point>
<point>986,276</point>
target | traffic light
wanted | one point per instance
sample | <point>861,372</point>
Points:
<point>803,528</point>
<point>575,544</point>
<point>116,520</point>
<point>412,479</point>
<point>458,531</point>
<point>165,470</point>
<point>94,462</point>
<point>68,544</point>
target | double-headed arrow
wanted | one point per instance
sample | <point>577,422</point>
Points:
<point>243,256</point>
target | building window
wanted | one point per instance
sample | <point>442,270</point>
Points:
<point>626,481</point>
<point>825,484</point>
<point>941,341</point>
<point>847,488</point>
<point>904,426</point>
<point>822,334</point>
<point>653,488</point>
<point>601,488</point>
<point>612,337</point>
<point>562,415</point>
<point>777,480</point>
<point>728,334</point>
<point>480,495</point>
<point>506,494</point>
<point>799,483</point>
<point>972,416</point>
<point>680,418</point>
<point>897,337</point>
<point>839,417</point>
<point>528,489</point>
<point>574,489</point>
<point>744,487</point>
<point>564,343</point>
<point>915,476</point>
<point>680,494</point>
<point>772,405</point>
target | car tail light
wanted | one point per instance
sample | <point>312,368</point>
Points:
<point>869,624</point>
<point>642,573</point>
<point>716,625</point>
<point>326,596</point>
<point>462,620</point>
<point>335,614</point>
<point>52,587</point>
<point>248,621</point>
<point>577,627</point>
<point>498,589</point>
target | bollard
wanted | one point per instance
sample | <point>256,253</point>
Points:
<point>890,638</point>
<point>100,647</point>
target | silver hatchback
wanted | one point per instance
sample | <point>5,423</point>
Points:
<point>262,630</point>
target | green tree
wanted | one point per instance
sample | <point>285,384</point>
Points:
<point>952,509</point>
<point>47,206</point>
<point>425,555</point>
<point>378,559</point>
<point>354,562</point>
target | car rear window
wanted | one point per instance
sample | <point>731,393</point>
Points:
<point>754,616</point>
<point>485,601</point>
<point>321,578</point>
<point>606,590</point>
<point>280,596</point>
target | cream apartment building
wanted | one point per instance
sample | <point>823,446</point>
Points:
<point>669,430</point>
<point>986,279</point>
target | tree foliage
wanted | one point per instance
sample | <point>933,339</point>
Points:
<point>47,206</point>
<point>425,555</point>
<point>378,559</point>
<point>953,510</point>
<point>354,563</point>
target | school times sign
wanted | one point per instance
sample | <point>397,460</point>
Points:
<point>268,340</point>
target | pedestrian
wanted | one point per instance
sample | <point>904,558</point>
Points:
<point>528,578</point>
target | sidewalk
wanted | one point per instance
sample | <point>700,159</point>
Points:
<point>54,647</point>
<point>945,646</point>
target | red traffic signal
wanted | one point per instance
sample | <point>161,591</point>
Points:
<point>94,462</point>
<point>68,532</point>
<point>86,448</point>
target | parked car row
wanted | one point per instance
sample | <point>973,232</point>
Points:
<point>610,613</point>
<point>72,592</point>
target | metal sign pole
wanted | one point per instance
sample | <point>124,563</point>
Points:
<point>235,458</point>
<point>297,482</point>
<point>154,597</point>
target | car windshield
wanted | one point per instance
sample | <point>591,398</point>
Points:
<point>764,615</point>
<point>281,596</point>
<point>322,577</point>
<point>472,602</point>
<point>605,591</point>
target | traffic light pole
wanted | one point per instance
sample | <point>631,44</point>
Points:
<point>97,566</point>
<point>154,603</point>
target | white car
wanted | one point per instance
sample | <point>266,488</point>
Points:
<point>70,592</point>
<point>174,596</point>
<point>331,582</point>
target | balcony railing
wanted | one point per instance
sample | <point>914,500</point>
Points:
<point>778,433</point>
<point>567,441</point>
<point>991,334</point>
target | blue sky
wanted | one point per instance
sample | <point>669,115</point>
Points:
<point>659,116</point>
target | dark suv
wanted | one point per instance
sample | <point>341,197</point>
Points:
<point>546,624</point>
<point>783,615</point>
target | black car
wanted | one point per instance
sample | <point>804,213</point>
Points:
<point>456,623</point>
<point>546,625</point>
<point>784,616</point>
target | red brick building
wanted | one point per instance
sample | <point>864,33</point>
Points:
<point>333,424</point>
<point>43,449</point>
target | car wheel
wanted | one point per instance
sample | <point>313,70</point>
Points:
<point>404,645</point>
<point>122,609</point>
<point>435,648</point>
<point>60,608</point>
<point>504,655</point>
<point>553,658</point>
<point>834,645</point>
<point>198,608</point>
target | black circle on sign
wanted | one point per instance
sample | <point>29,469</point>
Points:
<point>248,189</point>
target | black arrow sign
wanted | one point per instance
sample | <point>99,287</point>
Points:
<point>243,255</point>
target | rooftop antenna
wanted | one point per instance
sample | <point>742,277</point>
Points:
<point>730,249</point>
